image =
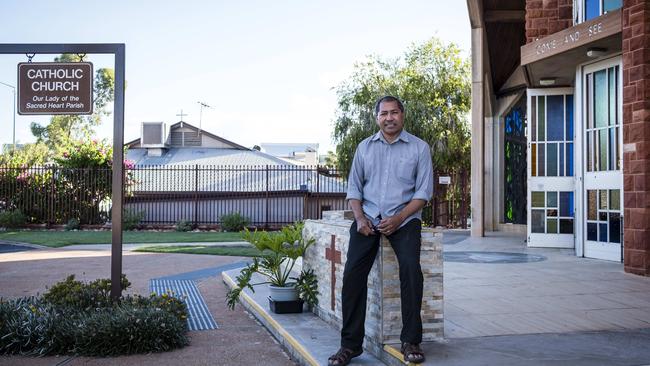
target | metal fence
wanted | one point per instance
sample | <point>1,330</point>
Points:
<point>269,196</point>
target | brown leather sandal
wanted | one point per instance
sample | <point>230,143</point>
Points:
<point>343,357</point>
<point>412,353</point>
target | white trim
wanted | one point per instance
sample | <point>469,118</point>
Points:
<point>596,249</point>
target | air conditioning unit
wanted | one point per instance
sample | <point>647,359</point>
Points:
<point>153,134</point>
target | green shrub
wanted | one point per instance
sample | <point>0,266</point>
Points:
<point>72,224</point>
<point>234,222</point>
<point>128,329</point>
<point>131,219</point>
<point>183,225</point>
<point>80,318</point>
<point>12,219</point>
<point>84,296</point>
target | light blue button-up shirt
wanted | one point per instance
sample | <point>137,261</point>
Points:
<point>385,176</point>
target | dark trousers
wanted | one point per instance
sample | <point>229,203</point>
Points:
<point>362,251</point>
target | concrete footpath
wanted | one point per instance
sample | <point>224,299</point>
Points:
<point>505,304</point>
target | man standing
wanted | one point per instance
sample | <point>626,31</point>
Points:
<point>390,181</point>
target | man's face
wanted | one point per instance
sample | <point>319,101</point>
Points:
<point>390,118</point>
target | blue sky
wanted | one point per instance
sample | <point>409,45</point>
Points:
<point>267,68</point>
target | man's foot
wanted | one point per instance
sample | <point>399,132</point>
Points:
<point>343,356</point>
<point>412,352</point>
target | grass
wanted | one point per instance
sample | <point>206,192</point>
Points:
<point>56,239</point>
<point>203,249</point>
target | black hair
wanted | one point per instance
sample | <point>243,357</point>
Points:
<point>388,98</point>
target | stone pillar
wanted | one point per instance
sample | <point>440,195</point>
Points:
<point>636,135</point>
<point>383,314</point>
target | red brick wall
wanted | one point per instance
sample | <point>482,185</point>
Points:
<point>636,135</point>
<point>544,17</point>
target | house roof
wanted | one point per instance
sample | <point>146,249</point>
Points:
<point>288,149</point>
<point>135,144</point>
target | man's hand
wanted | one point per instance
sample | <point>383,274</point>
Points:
<point>388,225</point>
<point>364,227</point>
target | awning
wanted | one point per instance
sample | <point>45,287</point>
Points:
<point>557,55</point>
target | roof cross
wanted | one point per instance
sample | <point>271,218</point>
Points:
<point>181,115</point>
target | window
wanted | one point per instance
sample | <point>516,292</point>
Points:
<point>552,212</point>
<point>514,156</point>
<point>551,136</point>
<point>590,9</point>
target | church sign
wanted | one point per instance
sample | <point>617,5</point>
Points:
<point>55,88</point>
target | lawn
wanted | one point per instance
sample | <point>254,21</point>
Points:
<point>57,239</point>
<point>203,249</point>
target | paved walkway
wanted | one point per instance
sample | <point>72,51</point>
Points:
<point>31,272</point>
<point>560,310</point>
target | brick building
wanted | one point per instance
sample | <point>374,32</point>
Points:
<point>561,125</point>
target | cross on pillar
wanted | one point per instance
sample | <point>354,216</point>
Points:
<point>334,256</point>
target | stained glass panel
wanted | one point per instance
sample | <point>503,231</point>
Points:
<point>602,232</point>
<point>551,160</point>
<point>555,117</point>
<point>537,199</point>
<point>602,199</point>
<point>537,221</point>
<point>533,114</point>
<point>569,117</point>
<point>592,9</point>
<point>541,118</point>
<point>611,78</point>
<point>614,199</point>
<point>600,98</point>
<point>561,159</point>
<point>602,148</point>
<point>541,160</point>
<point>551,226</point>
<point>613,148</point>
<point>551,199</point>
<point>566,204</point>
<point>533,159</point>
<point>591,205</point>
<point>515,166</point>
<point>592,231</point>
<point>569,159</point>
<point>566,226</point>
<point>614,227</point>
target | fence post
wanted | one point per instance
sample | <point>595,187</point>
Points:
<point>319,213</point>
<point>266,219</point>
<point>196,195</point>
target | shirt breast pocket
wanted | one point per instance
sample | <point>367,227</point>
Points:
<point>406,170</point>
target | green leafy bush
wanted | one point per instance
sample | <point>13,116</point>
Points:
<point>72,224</point>
<point>131,219</point>
<point>234,222</point>
<point>12,219</point>
<point>80,318</point>
<point>307,286</point>
<point>183,225</point>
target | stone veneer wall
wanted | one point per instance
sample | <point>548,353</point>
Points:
<point>636,135</point>
<point>383,317</point>
<point>544,17</point>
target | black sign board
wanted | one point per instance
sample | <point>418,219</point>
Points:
<point>55,88</point>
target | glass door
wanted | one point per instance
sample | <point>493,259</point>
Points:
<point>603,159</point>
<point>551,184</point>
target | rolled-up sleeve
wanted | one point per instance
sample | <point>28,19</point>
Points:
<point>424,178</point>
<point>355,179</point>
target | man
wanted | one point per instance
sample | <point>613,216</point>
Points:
<point>390,181</point>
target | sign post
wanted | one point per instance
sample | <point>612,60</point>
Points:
<point>117,196</point>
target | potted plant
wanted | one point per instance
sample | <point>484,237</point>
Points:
<point>278,254</point>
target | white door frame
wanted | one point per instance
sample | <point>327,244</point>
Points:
<point>559,183</point>
<point>580,129</point>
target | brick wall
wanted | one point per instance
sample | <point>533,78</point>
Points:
<point>544,17</point>
<point>636,135</point>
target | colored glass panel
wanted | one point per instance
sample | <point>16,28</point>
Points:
<point>611,77</point>
<point>589,153</point>
<point>569,159</point>
<point>609,5</point>
<point>602,232</point>
<point>618,151</point>
<point>561,159</point>
<point>541,167</point>
<point>551,213</point>
<point>614,227</point>
<point>591,205</point>
<point>589,115</point>
<point>602,216</point>
<point>600,98</point>
<point>592,9</point>
<point>541,118</point>
<point>602,199</point>
<point>551,160</point>
<point>533,114</point>
<point>515,164</point>
<point>537,221</point>
<point>592,231</point>
<point>602,148</point>
<point>594,144</point>
<point>566,226</point>
<point>555,117</point>
<point>551,199</point>
<point>569,117</point>
<point>551,226</point>
<point>537,199</point>
<point>614,199</point>
<point>613,148</point>
<point>533,160</point>
<point>566,204</point>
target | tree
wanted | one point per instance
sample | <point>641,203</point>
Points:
<point>433,81</point>
<point>63,130</point>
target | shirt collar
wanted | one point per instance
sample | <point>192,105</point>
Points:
<point>402,136</point>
